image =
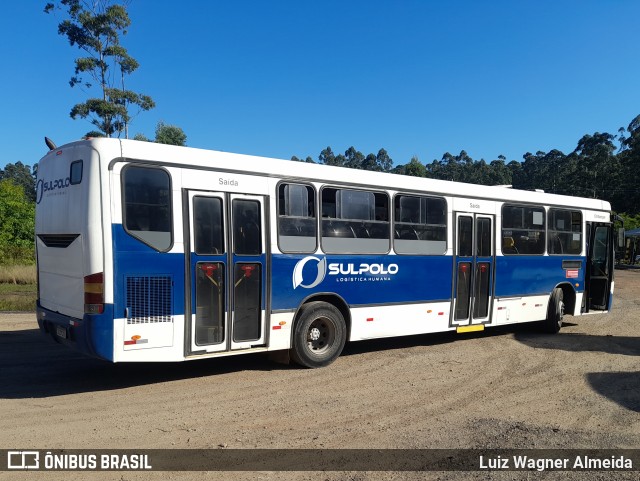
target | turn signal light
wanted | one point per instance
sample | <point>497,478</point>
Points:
<point>94,293</point>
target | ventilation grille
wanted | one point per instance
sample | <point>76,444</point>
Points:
<point>148,300</point>
<point>58,240</point>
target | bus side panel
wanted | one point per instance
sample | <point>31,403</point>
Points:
<point>361,279</point>
<point>148,297</point>
<point>366,281</point>
<point>399,320</point>
<point>524,284</point>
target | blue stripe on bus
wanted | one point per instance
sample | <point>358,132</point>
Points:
<point>360,279</point>
<point>534,275</point>
<point>133,258</point>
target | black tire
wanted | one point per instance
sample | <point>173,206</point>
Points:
<point>555,313</point>
<point>319,335</point>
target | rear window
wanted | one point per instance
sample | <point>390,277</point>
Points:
<point>147,205</point>
<point>75,172</point>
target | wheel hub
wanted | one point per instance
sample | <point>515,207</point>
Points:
<point>314,334</point>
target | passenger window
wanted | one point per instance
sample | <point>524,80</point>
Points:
<point>207,226</point>
<point>420,225</point>
<point>565,231</point>
<point>247,233</point>
<point>147,205</point>
<point>523,230</point>
<point>355,221</point>
<point>297,227</point>
<point>465,236</point>
<point>483,237</point>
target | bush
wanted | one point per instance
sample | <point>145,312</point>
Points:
<point>17,218</point>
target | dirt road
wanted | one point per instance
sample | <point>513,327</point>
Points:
<point>505,388</point>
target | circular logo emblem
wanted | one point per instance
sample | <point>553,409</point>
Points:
<point>321,266</point>
<point>39,190</point>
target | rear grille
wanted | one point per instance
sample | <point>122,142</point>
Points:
<point>148,299</point>
<point>58,240</point>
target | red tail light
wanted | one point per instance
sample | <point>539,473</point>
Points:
<point>94,293</point>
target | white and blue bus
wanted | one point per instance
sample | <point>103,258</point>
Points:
<point>148,252</point>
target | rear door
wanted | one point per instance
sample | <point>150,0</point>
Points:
<point>227,271</point>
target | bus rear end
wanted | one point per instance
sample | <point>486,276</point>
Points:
<point>71,303</point>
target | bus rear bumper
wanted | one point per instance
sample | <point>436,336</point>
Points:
<point>85,335</point>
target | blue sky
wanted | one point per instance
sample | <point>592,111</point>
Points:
<point>282,78</point>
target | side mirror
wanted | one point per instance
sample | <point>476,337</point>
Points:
<point>621,242</point>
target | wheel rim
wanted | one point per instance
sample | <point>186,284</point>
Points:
<point>321,335</point>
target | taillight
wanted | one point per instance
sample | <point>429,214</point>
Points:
<point>94,293</point>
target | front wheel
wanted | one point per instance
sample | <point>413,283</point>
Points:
<point>555,313</point>
<point>319,335</point>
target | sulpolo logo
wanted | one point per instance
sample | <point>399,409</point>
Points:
<point>44,186</point>
<point>321,266</point>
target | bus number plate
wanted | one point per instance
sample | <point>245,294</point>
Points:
<point>61,332</point>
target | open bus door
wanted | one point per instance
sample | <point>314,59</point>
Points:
<point>599,275</point>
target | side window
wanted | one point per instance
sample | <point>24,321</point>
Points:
<point>565,231</point>
<point>465,236</point>
<point>355,221</point>
<point>420,225</point>
<point>147,205</point>
<point>208,225</point>
<point>523,230</point>
<point>297,227</point>
<point>247,233</point>
<point>483,237</point>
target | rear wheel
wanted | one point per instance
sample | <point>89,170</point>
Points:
<point>555,313</point>
<point>319,335</point>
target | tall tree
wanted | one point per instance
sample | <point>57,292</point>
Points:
<point>354,158</point>
<point>21,175</point>
<point>597,165</point>
<point>96,27</point>
<point>327,157</point>
<point>384,163</point>
<point>170,134</point>
<point>415,168</point>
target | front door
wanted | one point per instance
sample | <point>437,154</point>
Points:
<point>599,273</point>
<point>226,267</point>
<point>474,261</point>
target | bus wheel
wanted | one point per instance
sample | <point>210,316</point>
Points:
<point>319,335</point>
<point>555,314</point>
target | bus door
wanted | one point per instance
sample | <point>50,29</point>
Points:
<point>474,262</point>
<point>226,267</point>
<point>599,275</point>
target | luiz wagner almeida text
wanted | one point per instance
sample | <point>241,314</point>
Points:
<point>541,464</point>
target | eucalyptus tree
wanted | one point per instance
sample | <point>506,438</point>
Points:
<point>96,27</point>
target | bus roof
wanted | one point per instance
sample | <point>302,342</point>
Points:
<point>190,157</point>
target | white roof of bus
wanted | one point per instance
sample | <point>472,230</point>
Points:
<point>229,162</point>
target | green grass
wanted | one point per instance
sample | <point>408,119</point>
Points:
<point>18,297</point>
<point>17,274</point>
